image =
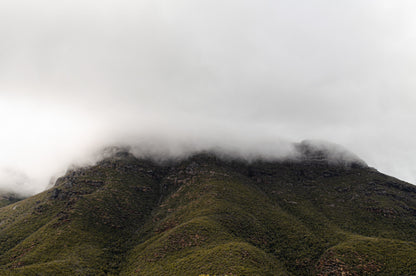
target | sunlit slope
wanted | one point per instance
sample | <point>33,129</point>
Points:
<point>205,215</point>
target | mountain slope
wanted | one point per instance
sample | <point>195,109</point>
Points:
<point>210,215</point>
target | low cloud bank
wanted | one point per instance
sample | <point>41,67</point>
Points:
<point>173,146</point>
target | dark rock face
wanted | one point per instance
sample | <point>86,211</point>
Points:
<point>210,215</point>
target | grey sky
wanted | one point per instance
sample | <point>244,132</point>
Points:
<point>77,75</point>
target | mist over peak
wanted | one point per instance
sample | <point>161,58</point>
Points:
<point>315,151</point>
<point>14,181</point>
<point>323,151</point>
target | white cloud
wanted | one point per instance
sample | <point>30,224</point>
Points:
<point>75,75</point>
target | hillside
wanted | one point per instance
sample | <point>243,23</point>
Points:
<point>217,216</point>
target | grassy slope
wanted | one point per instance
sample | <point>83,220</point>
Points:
<point>359,202</point>
<point>205,216</point>
<point>82,226</point>
<point>201,229</point>
<point>360,255</point>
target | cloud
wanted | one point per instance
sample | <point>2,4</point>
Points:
<point>79,75</point>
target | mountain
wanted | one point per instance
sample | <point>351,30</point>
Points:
<point>312,215</point>
<point>7,198</point>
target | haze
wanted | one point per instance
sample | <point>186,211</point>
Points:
<point>246,76</point>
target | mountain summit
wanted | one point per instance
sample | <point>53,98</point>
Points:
<point>221,216</point>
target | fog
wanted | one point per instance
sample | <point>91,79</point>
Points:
<point>248,77</point>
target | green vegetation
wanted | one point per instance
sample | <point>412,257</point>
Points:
<point>204,215</point>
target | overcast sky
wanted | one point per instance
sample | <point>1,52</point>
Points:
<point>242,75</point>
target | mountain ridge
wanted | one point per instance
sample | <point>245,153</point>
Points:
<point>207,214</point>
